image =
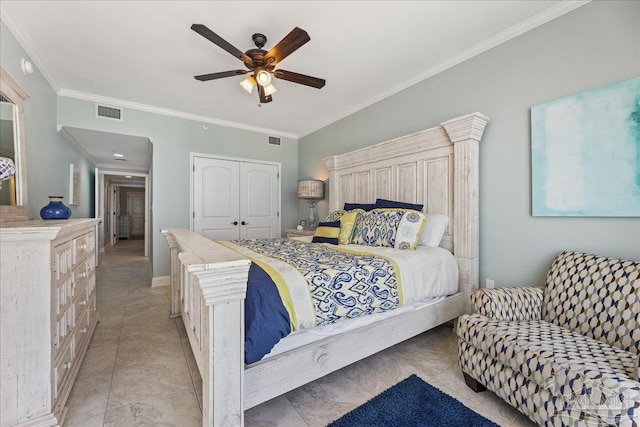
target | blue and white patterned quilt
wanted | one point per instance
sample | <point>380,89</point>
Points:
<point>317,285</point>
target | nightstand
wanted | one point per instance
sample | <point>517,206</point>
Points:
<point>293,232</point>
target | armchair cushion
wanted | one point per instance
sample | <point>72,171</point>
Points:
<point>572,367</point>
<point>509,304</point>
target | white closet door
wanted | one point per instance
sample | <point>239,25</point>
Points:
<point>259,201</point>
<point>216,202</point>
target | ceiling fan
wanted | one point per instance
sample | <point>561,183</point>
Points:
<point>261,63</point>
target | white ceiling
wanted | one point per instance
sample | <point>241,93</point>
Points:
<point>142,54</point>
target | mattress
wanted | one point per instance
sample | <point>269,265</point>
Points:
<point>428,276</point>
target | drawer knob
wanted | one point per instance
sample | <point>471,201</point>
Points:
<point>322,359</point>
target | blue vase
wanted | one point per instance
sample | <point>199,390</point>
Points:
<point>55,209</point>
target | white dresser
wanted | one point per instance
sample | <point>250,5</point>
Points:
<point>47,315</point>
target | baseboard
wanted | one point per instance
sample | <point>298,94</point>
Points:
<point>160,281</point>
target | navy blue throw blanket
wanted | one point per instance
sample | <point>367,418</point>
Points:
<point>412,403</point>
<point>266,321</point>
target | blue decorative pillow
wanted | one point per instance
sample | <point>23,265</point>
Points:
<point>327,232</point>
<point>383,203</point>
<point>364,206</point>
<point>377,228</point>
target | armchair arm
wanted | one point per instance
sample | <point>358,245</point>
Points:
<point>524,303</point>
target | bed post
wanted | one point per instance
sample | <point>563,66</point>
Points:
<point>214,319</point>
<point>175,273</point>
<point>223,291</point>
<point>465,133</point>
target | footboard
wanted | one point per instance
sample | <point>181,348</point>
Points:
<point>208,288</point>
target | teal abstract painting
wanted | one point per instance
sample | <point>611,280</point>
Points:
<point>585,153</point>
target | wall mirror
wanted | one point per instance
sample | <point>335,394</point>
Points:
<point>13,172</point>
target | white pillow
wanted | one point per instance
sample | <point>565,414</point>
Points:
<point>433,230</point>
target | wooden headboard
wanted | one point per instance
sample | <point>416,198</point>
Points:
<point>437,167</point>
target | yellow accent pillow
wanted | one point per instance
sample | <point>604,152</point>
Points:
<point>347,224</point>
<point>327,232</point>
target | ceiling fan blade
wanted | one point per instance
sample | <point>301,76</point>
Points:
<point>263,98</point>
<point>285,47</point>
<point>219,41</point>
<point>213,76</point>
<point>299,78</point>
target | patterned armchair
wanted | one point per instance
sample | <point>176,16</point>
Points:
<point>565,355</point>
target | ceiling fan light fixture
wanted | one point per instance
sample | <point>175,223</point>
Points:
<point>269,89</point>
<point>263,77</point>
<point>248,84</point>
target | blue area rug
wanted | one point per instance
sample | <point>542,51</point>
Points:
<point>412,403</point>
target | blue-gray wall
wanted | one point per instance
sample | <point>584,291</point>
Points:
<point>594,45</point>
<point>173,139</point>
<point>48,153</point>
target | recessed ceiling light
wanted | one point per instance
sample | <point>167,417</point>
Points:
<point>118,155</point>
<point>127,176</point>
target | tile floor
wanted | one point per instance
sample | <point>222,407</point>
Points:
<point>139,369</point>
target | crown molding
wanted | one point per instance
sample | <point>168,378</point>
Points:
<point>537,20</point>
<point>173,113</point>
<point>28,48</point>
<point>67,135</point>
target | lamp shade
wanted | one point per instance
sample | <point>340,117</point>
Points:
<point>7,168</point>
<point>310,189</point>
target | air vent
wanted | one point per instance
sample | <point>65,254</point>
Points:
<point>4,99</point>
<point>108,112</point>
<point>274,140</point>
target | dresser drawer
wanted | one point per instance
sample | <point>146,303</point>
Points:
<point>82,327</point>
<point>80,273</point>
<point>80,301</point>
<point>64,361</point>
<point>62,294</point>
<point>63,328</point>
<point>80,248</point>
<point>90,265</point>
<point>62,261</point>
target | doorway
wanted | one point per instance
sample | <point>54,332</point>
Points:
<point>122,205</point>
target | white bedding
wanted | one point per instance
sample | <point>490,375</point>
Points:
<point>427,276</point>
<point>424,273</point>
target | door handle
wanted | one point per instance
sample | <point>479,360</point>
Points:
<point>234,223</point>
<point>244,223</point>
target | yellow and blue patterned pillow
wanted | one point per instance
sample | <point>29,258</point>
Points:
<point>377,227</point>
<point>327,232</point>
<point>347,224</point>
<point>409,230</point>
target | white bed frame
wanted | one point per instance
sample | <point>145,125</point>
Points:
<point>438,167</point>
